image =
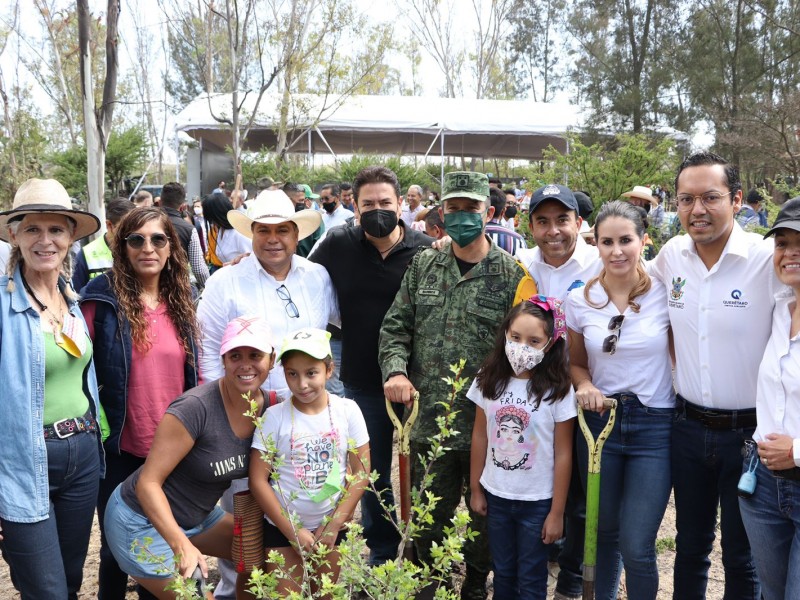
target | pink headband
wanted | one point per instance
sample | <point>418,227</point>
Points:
<point>552,305</point>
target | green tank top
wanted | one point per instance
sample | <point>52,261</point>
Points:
<point>63,382</point>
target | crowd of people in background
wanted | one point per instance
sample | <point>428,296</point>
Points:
<point>129,364</point>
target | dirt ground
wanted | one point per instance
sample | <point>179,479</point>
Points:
<point>666,558</point>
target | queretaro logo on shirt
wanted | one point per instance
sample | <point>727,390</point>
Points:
<point>735,300</point>
<point>676,293</point>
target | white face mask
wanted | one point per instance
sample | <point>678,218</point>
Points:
<point>198,210</point>
<point>522,357</point>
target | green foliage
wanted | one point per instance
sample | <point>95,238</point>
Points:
<point>665,545</point>
<point>606,171</point>
<point>70,170</point>
<point>125,155</point>
<point>21,151</point>
<point>265,164</point>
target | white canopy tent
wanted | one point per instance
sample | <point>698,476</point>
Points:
<point>389,125</point>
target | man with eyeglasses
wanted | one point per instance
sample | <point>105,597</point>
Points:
<point>721,289</point>
<point>333,213</point>
<point>274,282</point>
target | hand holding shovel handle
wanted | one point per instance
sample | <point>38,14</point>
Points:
<point>593,494</point>
<point>404,443</point>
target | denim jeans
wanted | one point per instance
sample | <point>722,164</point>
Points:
<point>634,491</point>
<point>772,520</point>
<point>334,385</point>
<point>706,466</point>
<point>113,581</point>
<point>46,558</point>
<point>519,557</point>
<point>380,533</point>
<point>570,558</point>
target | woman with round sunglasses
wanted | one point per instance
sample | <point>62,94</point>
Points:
<point>619,340</point>
<point>50,455</point>
<point>141,318</point>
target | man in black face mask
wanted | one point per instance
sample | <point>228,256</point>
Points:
<point>333,212</point>
<point>366,263</point>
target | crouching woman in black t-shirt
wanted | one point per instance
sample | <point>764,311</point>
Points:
<point>200,446</point>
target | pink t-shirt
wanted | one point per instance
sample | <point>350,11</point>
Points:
<point>154,381</point>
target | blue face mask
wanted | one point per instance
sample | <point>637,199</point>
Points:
<point>463,227</point>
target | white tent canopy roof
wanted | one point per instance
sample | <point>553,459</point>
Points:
<point>390,124</point>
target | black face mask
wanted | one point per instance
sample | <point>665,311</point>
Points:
<point>379,222</point>
<point>299,207</point>
<point>329,206</point>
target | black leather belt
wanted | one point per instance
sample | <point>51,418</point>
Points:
<point>793,474</point>
<point>720,419</point>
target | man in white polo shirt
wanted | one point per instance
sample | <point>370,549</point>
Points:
<point>561,261</point>
<point>721,288</point>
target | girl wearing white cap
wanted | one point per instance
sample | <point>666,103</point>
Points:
<point>308,501</point>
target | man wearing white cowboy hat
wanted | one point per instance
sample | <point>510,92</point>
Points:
<point>288,290</point>
<point>642,196</point>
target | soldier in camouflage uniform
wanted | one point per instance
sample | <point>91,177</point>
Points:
<point>449,307</point>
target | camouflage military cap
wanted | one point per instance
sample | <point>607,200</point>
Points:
<point>465,184</point>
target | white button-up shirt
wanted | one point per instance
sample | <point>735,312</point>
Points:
<point>247,289</point>
<point>720,317</point>
<point>337,217</point>
<point>558,281</point>
<point>778,396</point>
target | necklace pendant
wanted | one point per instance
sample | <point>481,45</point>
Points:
<point>57,333</point>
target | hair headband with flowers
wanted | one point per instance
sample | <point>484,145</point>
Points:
<point>552,305</point>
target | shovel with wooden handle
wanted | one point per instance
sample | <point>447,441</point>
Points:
<point>403,454</point>
<point>593,494</point>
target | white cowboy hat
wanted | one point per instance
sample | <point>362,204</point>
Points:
<point>46,196</point>
<point>642,192</point>
<point>273,207</point>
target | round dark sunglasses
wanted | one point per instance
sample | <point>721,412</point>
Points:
<point>137,240</point>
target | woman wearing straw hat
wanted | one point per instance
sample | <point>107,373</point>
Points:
<point>51,457</point>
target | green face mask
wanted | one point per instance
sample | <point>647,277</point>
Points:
<point>463,227</point>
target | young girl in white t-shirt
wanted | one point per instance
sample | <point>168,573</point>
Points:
<point>309,500</point>
<point>522,445</point>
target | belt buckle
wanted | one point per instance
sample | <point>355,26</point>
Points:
<point>68,433</point>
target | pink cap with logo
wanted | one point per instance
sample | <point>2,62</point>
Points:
<point>252,331</point>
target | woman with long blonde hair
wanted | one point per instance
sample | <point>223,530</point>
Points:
<point>141,319</point>
<point>619,341</point>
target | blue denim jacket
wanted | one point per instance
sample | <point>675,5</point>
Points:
<point>24,489</point>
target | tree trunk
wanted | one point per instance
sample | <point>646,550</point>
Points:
<point>97,123</point>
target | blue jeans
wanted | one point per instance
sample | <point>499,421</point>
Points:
<point>634,491</point>
<point>706,466</point>
<point>772,520</point>
<point>113,581</point>
<point>570,558</point>
<point>380,533</point>
<point>124,527</point>
<point>334,385</point>
<point>519,557</point>
<point>46,558</point>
